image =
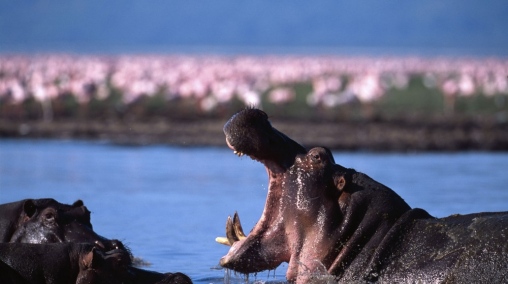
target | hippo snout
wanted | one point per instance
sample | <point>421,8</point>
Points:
<point>247,256</point>
<point>253,253</point>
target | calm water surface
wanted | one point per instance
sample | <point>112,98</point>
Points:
<point>168,204</point>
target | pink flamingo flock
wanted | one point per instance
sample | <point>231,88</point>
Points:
<point>214,80</point>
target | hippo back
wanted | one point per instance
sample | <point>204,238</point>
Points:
<point>469,248</point>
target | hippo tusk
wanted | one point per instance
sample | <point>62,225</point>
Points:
<point>222,240</point>
<point>230,234</point>
<point>234,231</point>
<point>237,226</point>
<point>230,231</point>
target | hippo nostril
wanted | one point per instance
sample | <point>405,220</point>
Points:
<point>115,244</point>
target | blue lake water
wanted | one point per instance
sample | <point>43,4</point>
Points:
<point>168,204</point>
<point>432,27</point>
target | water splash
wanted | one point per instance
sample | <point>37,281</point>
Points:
<point>302,202</point>
<point>234,277</point>
<point>317,275</point>
<point>227,276</point>
<point>321,218</point>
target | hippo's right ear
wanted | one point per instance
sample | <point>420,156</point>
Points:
<point>340,182</point>
<point>29,208</point>
<point>78,203</point>
<point>90,259</point>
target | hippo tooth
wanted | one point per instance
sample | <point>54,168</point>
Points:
<point>223,240</point>
<point>230,231</point>
<point>234,231</point>
<point>238,227</point>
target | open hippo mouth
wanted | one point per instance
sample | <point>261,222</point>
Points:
<point>250,133</point>
<point>318,215</point>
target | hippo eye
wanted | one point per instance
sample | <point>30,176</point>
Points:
<point>49,216</point>
<point>315,157</point>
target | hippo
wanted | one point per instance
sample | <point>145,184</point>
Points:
<point>13,214</point>
<point>79,263</point>
<point>331,223</point>
<point>49,221</point>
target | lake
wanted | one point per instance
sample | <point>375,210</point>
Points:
<point>168,203</point>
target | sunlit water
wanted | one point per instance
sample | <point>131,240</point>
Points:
<point>168,204</point>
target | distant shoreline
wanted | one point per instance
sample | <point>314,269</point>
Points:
<point>393,136</point>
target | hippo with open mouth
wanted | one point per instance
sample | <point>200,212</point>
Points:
<point>333,223</point>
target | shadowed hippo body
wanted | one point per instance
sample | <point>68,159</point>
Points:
<point>333,223</point>
<point>52,263</point>
<point>469,248</point>
<point>49,221</point>
<point>66,263</point>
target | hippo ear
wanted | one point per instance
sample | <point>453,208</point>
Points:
<point>29,208</point>
<point>87,260</point>
<point>84,216</point>
<point>340,182</point>
<point>329,155</point>
<point>78,203</point>
<point>90,259</point>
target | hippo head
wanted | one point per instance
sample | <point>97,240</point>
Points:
<point>98,266</point>
<point>113,267</point>
<point>318,215</point>
<point>53,222</point>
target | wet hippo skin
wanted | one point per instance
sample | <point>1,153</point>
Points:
<point>49,221</point>
<point>331,223</point>
<point>57,263</point>
<point>14,214</point>
<point>66,263</point>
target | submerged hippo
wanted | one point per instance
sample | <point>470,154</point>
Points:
<point>66,263</point>
<point>333,223</point>
<point>49,221</point>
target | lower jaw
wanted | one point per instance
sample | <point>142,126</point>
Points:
<point>247,267</point>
